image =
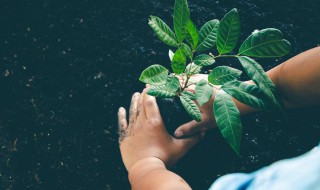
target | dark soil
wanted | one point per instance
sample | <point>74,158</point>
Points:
<point>66,67</point>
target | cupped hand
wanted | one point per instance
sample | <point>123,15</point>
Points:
<point>146,137</point>
<point>207,122</point>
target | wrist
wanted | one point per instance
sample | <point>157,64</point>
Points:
<point>139,169</point>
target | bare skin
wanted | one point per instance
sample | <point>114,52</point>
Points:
<point>147,149</point>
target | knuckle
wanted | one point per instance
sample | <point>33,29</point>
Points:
<point>149,102</point>
<point>155,122</point>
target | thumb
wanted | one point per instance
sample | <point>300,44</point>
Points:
<point>187,143</point>
<point>188,129</point>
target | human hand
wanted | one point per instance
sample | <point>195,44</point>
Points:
<point>146,135</point>
<point>207,122</point>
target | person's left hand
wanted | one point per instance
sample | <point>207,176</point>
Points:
<point>145,136</point>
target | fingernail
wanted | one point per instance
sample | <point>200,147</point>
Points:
<point>121,109</point>
<point>178,134</point>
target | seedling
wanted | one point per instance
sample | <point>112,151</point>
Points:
<point>222,82</point>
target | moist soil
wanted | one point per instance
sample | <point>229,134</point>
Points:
<point>67,66</point>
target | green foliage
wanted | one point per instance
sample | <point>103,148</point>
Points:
<point>208,35</point>
<point>178,62</point>
<point>180,19</point>
<point>246,93</point>
<point>228,119</point>
<point>223,35</point>
<point>204,60</point>
<point>260,78</point>
<point>154,75</point>
<point>162,30</point>
<point>203,92</point>
<point>228,32</point>
<point>191,108</point>
<point>192,36</point>
<point>223,74</point>
<point>265,43</point>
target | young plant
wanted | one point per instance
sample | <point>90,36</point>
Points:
<point>222,81</point>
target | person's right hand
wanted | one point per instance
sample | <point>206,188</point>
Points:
<point>207,122</point>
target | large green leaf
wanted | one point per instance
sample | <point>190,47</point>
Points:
<point>228,32</point>
<point>246,93</point>
<point>178,62</point>
<point>160,91</point>
<point>189,94</point>
<point>203,92</point>
<point>154,75</point>
<point>204,60</point>
<point>260,78</point>
<point>162,30</point>
<point>181,18</point>
<point>173,84</point>
<point>223,74</point>
<point>192,36</point>
<point>265,43</point>
<point>191,108</point>
<point>186,49</point>
<point>193,68</point>
<point>208,35</point>
<point>228,119</point>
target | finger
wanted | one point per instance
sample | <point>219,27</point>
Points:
<point>151,107</point>
<point>188,129</point>
<point>140,108</point>
<point>134,108</point>
<point>147,85</point>
<point>122,123</point>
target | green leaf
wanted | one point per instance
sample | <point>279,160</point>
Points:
<point>228,32</point>
<point>178,62</point>
<point>154,75</point>
<point>193,68</point>
<point>160,91</point>
<point>186,49</point>
<point>265,43</point>
<point>162,30</point>
<point>189,95</point>
<point>203,92</point>
<point>191,108</point>
<point>173,84</point>
<point>260,78</point>
<point>180,19</point>
<point>204,60</point>
<point>228,119</point>
<point>246,93</point>
<point>192,36</point>
<point>208,35</point>
<point>171,54</point>
<point>223,74</point>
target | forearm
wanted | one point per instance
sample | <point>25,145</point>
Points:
<point>151,173</point>
<point>297,81</point>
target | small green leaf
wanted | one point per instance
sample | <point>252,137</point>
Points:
<point>228,119</point>
<point>203,92</point>
<point>178,62</point>
<point>192,36</point>
<point>171,54</point>
<point>180,19</point>
<point>246,93</point>
<point>193,68</point>
<point>223,74</point>
<point>162,30</point>
<point>204,60</point>
<point>186,49</point>
<point>228,32</point>
<point>265,43</point>
<point>189,94</point>
<point>154,75</point>
<point>208,35</point>
<point>191,108</point>
<point>160,91</point>
<point>173,84</point>
<point>260,78</point>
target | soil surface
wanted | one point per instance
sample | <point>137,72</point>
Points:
<point>66,67</point>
